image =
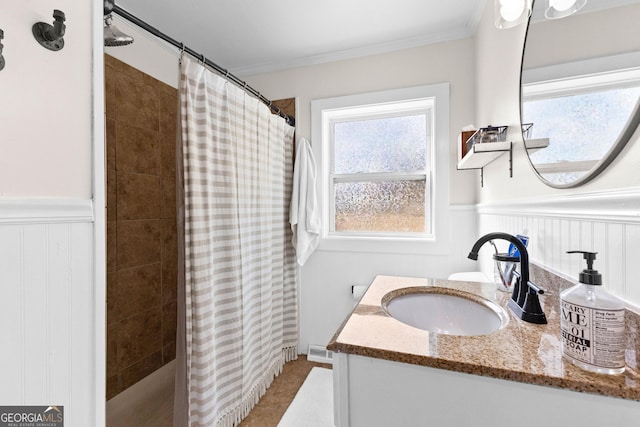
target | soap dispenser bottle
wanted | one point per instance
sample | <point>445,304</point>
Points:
<point>592,323</point>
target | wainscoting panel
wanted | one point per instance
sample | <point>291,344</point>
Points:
<point>46,310</point>
<point>606,222</point>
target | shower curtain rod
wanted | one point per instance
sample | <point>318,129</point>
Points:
<point>237,81</point>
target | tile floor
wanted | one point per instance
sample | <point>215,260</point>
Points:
<point>274,403</point>
<point>266,413</point>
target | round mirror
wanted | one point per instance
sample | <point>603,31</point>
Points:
<point>580,88</point>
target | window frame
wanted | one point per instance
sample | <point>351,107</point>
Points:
<point>372,112</point>
<point>576,78</point>
<point>437,178</point>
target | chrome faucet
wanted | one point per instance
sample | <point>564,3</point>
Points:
<point>524,301</point>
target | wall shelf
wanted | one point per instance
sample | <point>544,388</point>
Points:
<point>536,144</point>
<point>481,154</point>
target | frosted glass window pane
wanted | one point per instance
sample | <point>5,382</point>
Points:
<point>393,144</point>
<point>396,206</point>
<point>579,127</point>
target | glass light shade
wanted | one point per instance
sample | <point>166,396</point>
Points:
<point>557,9</point>
<point>511,13</point>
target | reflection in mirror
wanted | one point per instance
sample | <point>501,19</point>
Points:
<point>580,89</point>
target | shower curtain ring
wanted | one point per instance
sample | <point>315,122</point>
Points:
<point>204,60</point>
<point>181,53</point>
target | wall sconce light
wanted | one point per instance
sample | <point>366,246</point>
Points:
<point>50,36</point>
<point>511,13</point>
<point>1,47</point>
<point>562,8</point>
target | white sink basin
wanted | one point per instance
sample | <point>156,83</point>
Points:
<point>445,311</point>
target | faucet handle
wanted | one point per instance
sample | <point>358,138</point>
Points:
<point>533,287</point>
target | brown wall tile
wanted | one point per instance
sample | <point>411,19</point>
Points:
<point>168,208</point>
<point>118,66</point>
<point>139,336</point>
<point>137,99</point>
<point>168,153</point>
<point>168,130</point>
<point>138,287</point>
<point>138,243</point>
<point>138,196</point>
<point>137,149</point>
<point>110,146</point>
<point>113,386</point>
<point>112,350</point>
<point>141,249</point>
<point>169,261</point>
<point>168,97</point>
<point>112,253</point>
<point>288,106</point>
<point>169,322</point>
<point>112,195</point>
<point>139,370</point>
<point>168,352</point>
<point>112,295</point>
<point>109,89</point>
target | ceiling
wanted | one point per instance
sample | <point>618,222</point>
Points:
<point>255,36</point>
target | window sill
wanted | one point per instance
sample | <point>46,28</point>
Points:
<point>391,245</point>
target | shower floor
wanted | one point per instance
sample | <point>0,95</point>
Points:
<point>155,409</point>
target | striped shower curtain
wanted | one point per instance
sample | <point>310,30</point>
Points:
<point>240,304</point>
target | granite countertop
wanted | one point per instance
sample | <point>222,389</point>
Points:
<point>520,351</point>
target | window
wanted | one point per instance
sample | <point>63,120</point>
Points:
<point>579,134</point>
<point>379,167</point>
<point>581,108</point>
<point>377,162</point>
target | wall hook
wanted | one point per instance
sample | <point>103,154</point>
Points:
<point>50,36</point>
<point>1,47</point>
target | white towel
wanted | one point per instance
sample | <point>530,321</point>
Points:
<point>304,214</point>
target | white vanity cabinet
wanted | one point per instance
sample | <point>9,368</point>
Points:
<point>371,392</point>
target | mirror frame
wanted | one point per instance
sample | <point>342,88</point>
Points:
<point>618,145</point>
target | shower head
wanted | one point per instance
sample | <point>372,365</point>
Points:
<point>113,36</point>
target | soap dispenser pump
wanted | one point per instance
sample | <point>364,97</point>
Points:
<point>592,323</point>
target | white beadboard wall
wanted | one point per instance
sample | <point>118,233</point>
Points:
<point>46,297</point>
<point>606,222</point>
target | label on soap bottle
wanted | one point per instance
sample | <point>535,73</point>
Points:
<point>592,335</point>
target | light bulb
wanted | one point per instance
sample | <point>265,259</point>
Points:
<point>511,10</point>
<point>562,5</point>
<point>511,13</point>
<point>563,8</point>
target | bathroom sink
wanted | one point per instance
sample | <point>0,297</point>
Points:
<point>445,311</point>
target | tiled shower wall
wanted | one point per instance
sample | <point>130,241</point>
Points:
<point>141,224</point>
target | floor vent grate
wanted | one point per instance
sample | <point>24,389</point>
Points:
<point>319,354</point>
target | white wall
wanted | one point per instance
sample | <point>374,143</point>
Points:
<point>46,308</point>
<point>599,216</point>
<point>326,278</point>
<point>46,149</point>
<point>52,212</point>
<point>445,62</point>
<point>498,103</point>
